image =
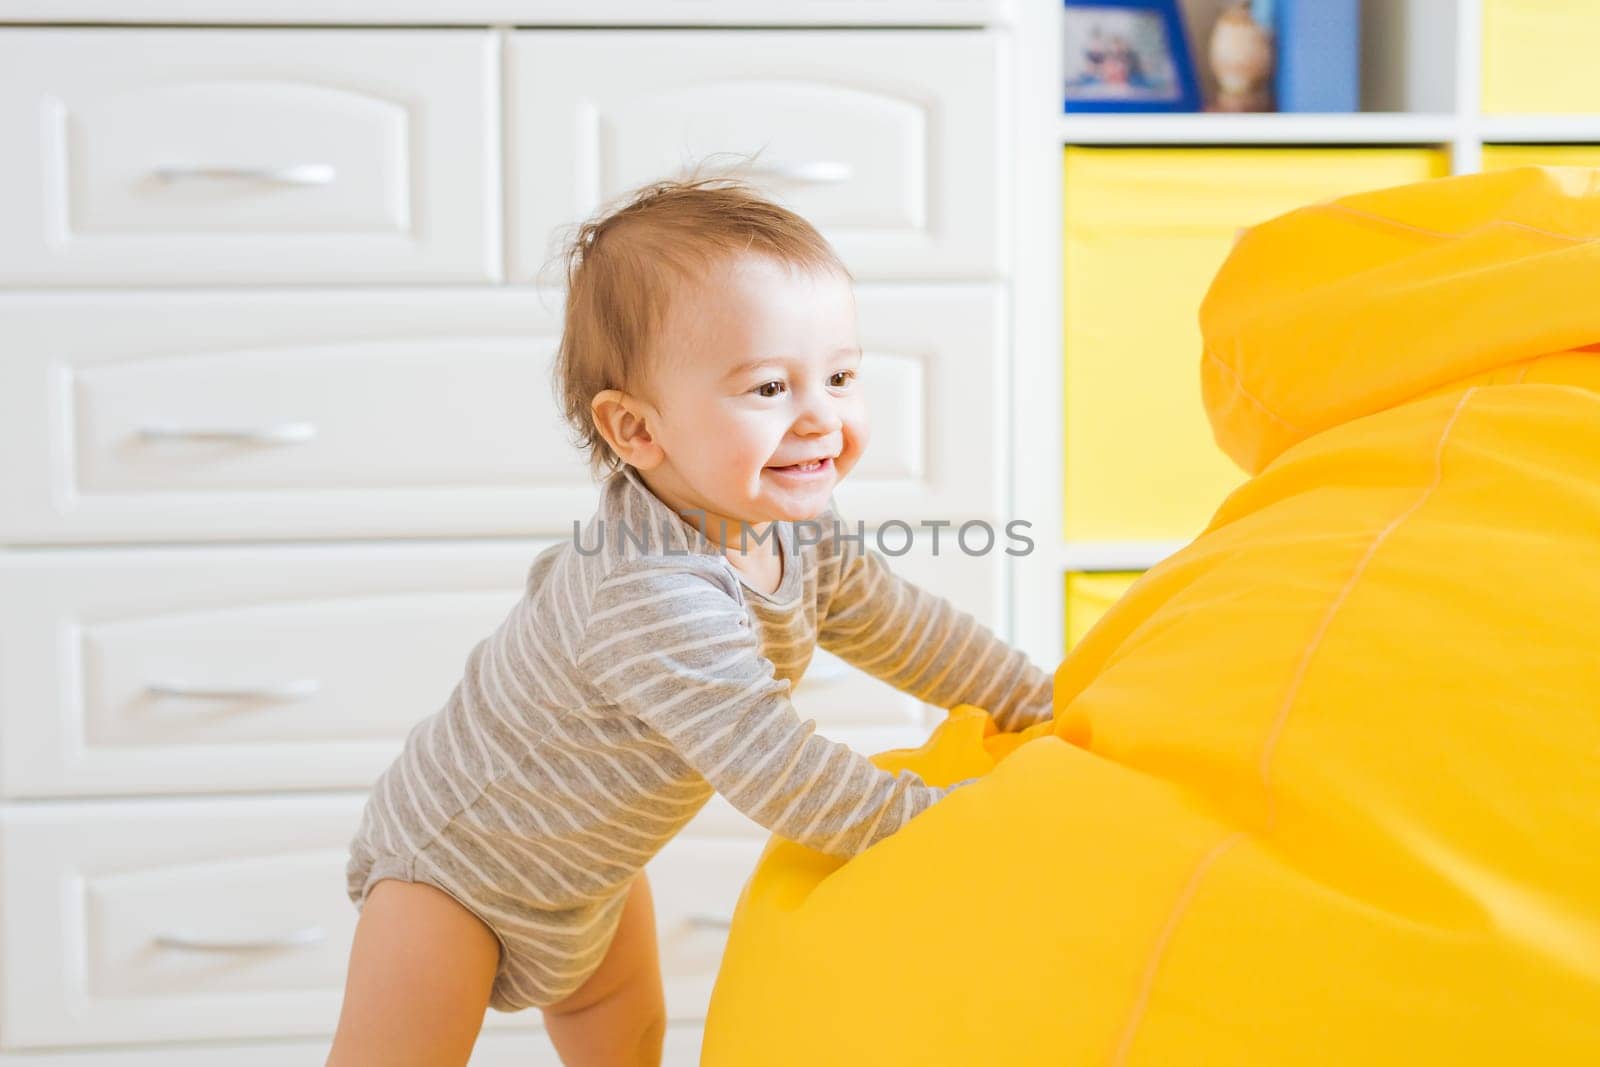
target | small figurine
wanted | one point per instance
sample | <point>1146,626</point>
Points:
<point>1242,59</point>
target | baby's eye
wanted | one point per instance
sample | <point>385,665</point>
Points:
<point>842,378</point>
<point>761,389</point>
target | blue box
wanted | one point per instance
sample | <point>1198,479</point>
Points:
<point>1319,55</point>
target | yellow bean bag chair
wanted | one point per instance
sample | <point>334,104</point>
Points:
<point>1325,786</point>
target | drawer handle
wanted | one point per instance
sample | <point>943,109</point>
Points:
<point>296,690</point>
<point>821,172</point>
<point>288,433</point>
<point>296,174</point>
<point>302,938</point>
<point>710,922</point>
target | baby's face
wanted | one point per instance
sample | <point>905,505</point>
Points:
<point>756,374</point>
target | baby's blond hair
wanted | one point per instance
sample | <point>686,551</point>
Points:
<point>622,267</point>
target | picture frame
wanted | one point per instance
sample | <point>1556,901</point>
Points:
<point>1126,55</point>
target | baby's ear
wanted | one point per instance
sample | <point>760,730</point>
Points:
<point>621,420</point>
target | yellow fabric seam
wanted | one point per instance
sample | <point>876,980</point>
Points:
<point>1292,693</point>
<point>1186,897</point>
<point>1239,387</point>
<point>1147,981</point>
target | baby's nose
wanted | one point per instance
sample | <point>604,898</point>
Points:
<point>818,418</point>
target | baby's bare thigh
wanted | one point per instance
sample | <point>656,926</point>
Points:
<point>618,1016</point>
<point>421,968</point>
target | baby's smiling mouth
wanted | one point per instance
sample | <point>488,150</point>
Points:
<point>815,466</point>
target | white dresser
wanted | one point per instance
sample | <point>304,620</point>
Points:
<point>278,443</point>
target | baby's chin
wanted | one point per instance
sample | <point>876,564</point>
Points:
<point>791,502</point>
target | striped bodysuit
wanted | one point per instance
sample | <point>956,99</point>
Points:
<point>636,675</point>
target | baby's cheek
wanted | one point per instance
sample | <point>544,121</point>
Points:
<point>858,434</point>
<point>746,454</point>
<point>744,441</point>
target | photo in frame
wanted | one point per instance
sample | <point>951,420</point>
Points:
<point>1127,55</point>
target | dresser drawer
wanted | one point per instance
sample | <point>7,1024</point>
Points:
<point>229,919</point>
<point>197,156</point>
<point>889,141</point>
<point>229,668</point>
<point>225,416</point>
<point>155,921</point>
<point>225,669</point>
<point>221,416</point>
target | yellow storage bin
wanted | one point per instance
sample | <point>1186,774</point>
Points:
<point>1090,595</point>
<point>1507,156</point>
<point>1539,56</point>
<point>1146,229</point>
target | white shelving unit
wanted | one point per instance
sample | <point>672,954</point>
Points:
<point>1539,129</point>
<point>1421,85</point>
<point>1366,128</point>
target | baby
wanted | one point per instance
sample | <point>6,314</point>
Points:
<point>710,367</point>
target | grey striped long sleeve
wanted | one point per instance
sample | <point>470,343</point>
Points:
<point>675,649</point>
<point>634,677</point>
<point>920,642</point>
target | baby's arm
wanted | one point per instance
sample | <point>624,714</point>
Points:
<point>920,642</point>
<point>675,649</point>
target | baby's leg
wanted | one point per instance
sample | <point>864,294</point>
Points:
<point>420,972</point>
<point>618,1017</point>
